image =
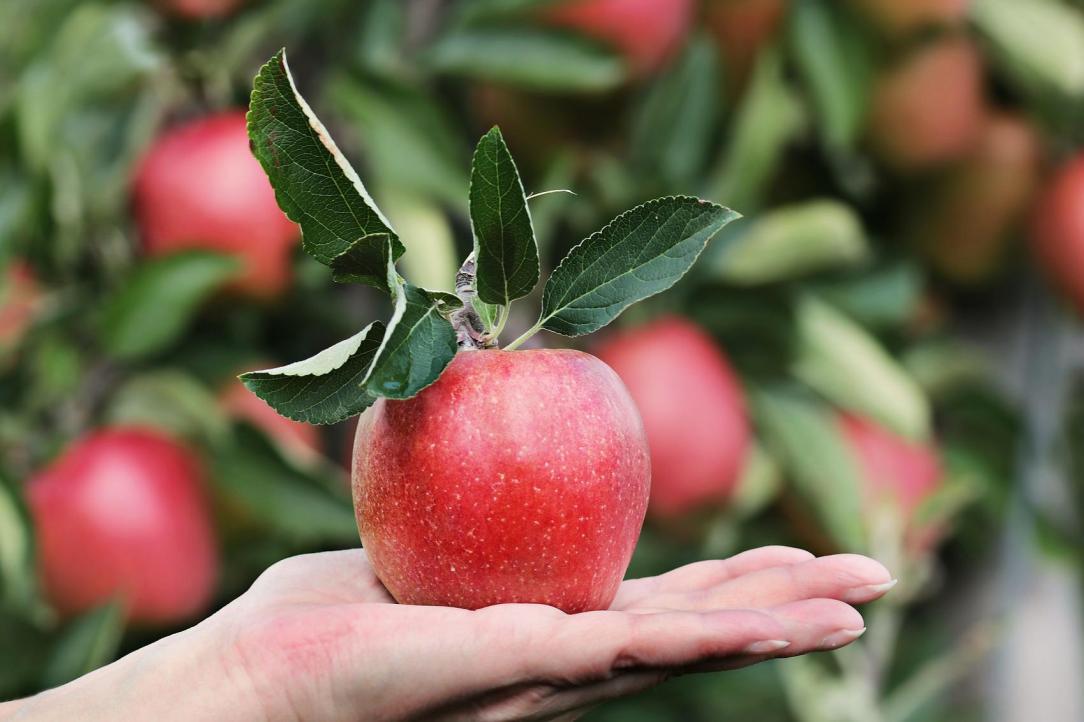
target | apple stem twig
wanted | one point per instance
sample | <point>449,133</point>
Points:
<point>526,335</point>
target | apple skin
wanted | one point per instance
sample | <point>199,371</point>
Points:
<point>927,109</point>
<point>964,225</point>
<point>122,511</point>
<point>519,476</point>
<point>1058,230</point>
<point>299,441</point>
<point>901,18</point>
<point>693,409</point>
<point>741,29</point>
<point>646,32</point>
<point>200,9</point>
<point>20,299</point>
<point>199,186</point>
<point>897,470</point>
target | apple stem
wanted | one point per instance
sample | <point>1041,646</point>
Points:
<point>526,335</point>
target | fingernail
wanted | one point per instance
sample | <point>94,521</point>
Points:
<point>869,590</point>
<point>766,647</point>
<point>843,636</point>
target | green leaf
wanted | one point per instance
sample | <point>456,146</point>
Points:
<point>885,296</point>
<point>791,242</point>
<point>27,642</point>
<point>89,642</point>
<point>433,258</point>
<point>253,477</point>
<point>489,314</point>
<point>640,253</point>
<point>1039,44</point>
<point>805,438</point>
<point>505,247</point>
<point>365,261</point>
<point>834,55</point>
<point>838,358</point>
<point>18,576</point>
<point>409,141</point>
<point>326,388</point>
<point>314,183</point>
<point>98,53</point>
<point>417,347</point>
<point>675,123</point>
<point>172,400</point>
<point>549,60</point>
<point>769,118</point>
<point>156,303</point>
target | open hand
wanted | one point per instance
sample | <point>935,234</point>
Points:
<point>319,637</point>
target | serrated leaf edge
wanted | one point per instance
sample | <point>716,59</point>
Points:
<point>732,215</point>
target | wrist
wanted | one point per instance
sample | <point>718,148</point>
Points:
<point>180,677</point>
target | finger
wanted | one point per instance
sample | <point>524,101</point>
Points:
<point>336,577</point>
<point>569,704</point>
<point>590,647</point>
<point>847,577</point>
<point>811,625</point>
<point>706,574</point>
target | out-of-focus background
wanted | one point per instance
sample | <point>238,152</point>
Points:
<point>883,356</point>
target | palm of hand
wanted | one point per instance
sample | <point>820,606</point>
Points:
<point>318,638</point>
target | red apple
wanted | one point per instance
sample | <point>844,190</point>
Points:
<point>519,476</point>
<point>297,440</point>
<point>20,299</point>
<point>742,28</point>
<point>900,18</point>
<point>200,9</point>
<point>199,186</point>
<point>927,109</point>
<point>963,223</point>
<point>646,32</point>
<point>1058,230</point>
<point>693,410</point>
<point>894,471</point>
<point>122,512</point>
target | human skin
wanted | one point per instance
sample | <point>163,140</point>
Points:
<point>318,638</point>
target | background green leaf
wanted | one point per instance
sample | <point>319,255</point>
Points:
<point>154,305</point>
<point>675,123</point>
<point>88,642</point>
<point>789,242</point>
<point>838,358</point>
<point>837,62</point>
<point>256,482</point>
<point>548,60</point>
<point>769,118</point>
<point>805,437</point>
